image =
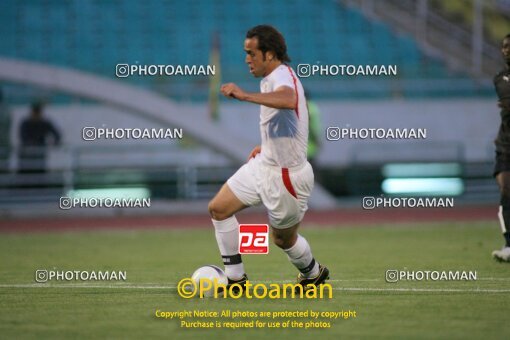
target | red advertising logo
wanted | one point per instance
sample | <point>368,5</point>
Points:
<point>253,239</point>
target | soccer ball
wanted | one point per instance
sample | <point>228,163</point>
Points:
<point>211,273</point>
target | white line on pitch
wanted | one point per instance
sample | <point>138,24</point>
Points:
<point>426,290</point>
<point>81,285</point>
<point>354,280</point>
<point>494,279</point>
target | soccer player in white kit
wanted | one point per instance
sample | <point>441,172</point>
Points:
<point>277,173</point>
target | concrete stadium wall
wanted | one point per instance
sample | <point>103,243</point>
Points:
<point>469,123</point>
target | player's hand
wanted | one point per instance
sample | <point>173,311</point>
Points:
<point>256,150</point>
<point>231,90</point>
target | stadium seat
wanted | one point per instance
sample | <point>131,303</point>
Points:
<point>101,34</point>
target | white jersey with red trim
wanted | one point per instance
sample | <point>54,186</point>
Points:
<point>284,132</point>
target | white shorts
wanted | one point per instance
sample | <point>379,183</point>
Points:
<point>284,192</point>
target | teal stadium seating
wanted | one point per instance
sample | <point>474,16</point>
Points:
<point>94,36</point>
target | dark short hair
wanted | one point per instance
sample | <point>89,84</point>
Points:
<point>270,40</point>
<point>37,106</point>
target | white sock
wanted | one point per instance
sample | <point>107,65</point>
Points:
<point>301,256</point>
<point>227,236</point>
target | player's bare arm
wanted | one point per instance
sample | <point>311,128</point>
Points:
<point>282,98</point>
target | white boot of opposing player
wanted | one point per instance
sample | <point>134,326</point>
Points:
<point>502,255</point>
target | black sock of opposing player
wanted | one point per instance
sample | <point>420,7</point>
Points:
<point>504,218</point>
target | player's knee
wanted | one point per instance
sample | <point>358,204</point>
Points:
<point>504,184</point>
<point>216,211</point>
<point>505,189</point>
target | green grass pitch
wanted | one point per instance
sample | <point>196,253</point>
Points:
<point>155,260</point>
